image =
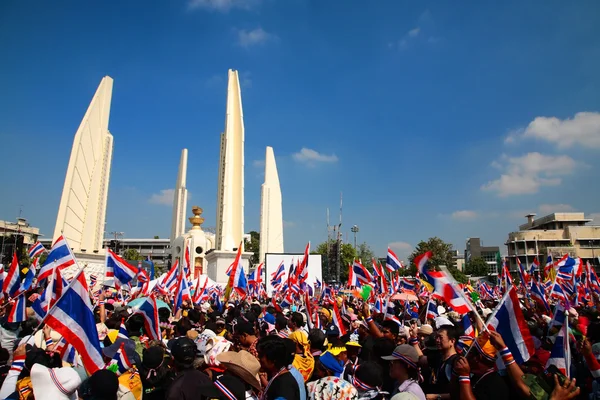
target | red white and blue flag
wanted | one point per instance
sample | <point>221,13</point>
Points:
<point>509,322</point>
<point>149,310</point>
<point>119,269</point>
<point>560,355</point>
<point>36,249</point>
<point>421,262</point>
<point>523,275</point>
<point>467,326</point>
<point>363,276</point>
<point>432,312</point>
<point>337,319</point>
<point>60,256</point>
<point>392,262</point>
<point>237,277</point>
<point>120,363</point>
<point>73,318</point>
<point>12,283</point>
<point>182,292</point>
<point>17,312</point>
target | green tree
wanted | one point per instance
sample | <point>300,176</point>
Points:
<point>253,246</point>
<point>477,267</point>
<point>347,255</point>
<point>365,254</point>
<point>458,275</point>
<point>156,237</point>
<point>441,253</point>
<point>132,255</point>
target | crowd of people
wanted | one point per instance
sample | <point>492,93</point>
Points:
<point>253,348</point>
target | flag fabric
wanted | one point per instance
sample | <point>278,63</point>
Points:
<point>122,333</point>
<point>237,278</point>
<point>537,293</point>
<point>390,312</point>
<point>182,293</point>
<point>60,256</point>
<point>421,262</point>
<point>560,355</point>
<point>199,293</point>
<point>362,274</point>
<point>558,319</point>
<point>467,326</point>
<point>149,261</point>
<point>523,275</point>
<point>28,279</point>
<point>119,269</point>
<point>507,319</point>
<point>337,319</point>
<point>73,318</point>
<point>120,363</point>
<point>302,270</point>
<point>12,283</point>
<point>258,273</point>
<point>392,262</point>
<point>36,249</point>
<point>378,271</point>
<point>17,312</point>
<point>535,266</point>
<point>432,312</point>
<point>149,310</point>
<point>444,289</point>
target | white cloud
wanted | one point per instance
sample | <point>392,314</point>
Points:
<point>222,5</point>
<point>258,163</point>
<point>595,217</point>
<point>165,197</point>
<point>583,129</point>
<point>464,214</point>
<point>528,173</point>
<point>311,157</point>
<point>402,249</point>
<point>289,224</point>
<point>552,208</point>
<point>414,32</point>
<point>254,37</point>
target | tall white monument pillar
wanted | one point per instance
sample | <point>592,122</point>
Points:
<point>82,211</point>
<point>180,199</point>
<point>271,214</point>
<point>230,190</point>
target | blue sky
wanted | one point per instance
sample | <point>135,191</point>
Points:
<point>433,118</point>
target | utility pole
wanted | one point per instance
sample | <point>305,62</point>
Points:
<point>354,230</point>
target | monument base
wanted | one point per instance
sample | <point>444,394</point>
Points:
<point>92,264</point>
<point>218,262</point>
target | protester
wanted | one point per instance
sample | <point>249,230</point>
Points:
<point>274,361</point>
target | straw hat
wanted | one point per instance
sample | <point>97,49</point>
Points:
<point>242,364</point>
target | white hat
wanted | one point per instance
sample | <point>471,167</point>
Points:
<point>441,310</point>
<point>486,312</point>
<point>54,383</point>
<point>441,321</point>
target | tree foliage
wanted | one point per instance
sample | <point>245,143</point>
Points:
<point>253,246</point>
<point>441,253</point>
<point>365,254</point>
<point>132,255</point>
<point>328,253</point>
<point>477,267</point>
<point>458,275</point>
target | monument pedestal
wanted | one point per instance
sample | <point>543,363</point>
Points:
<point>218,261</point>
<point>92,264</point>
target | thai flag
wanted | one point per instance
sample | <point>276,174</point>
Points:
<point>560,355</point>
<point>468,326</point>
<point>170,280</point>
<point>149,310</point>
<point>392,262</point>
<point>558,319</point>
<point>72,317</point>
<point>258,273</point>
<point>199,293</point>
<point>421,262</point>
<point>535,266</point>
<point>17,312</point>
<point>120,363</point>
<point>509,322</point>
<point>12,283</point>
<point>237,278</point>
<point>390,312</point>
<point>432,312</point>
<point>182,292</point>
<point>60,256</point>
<point>539,297</point>
<point>122,333</point>
<point>405,283</point>
<point>28,279</point>
<point>251,279</point>
<point>523,275</point>
<point>558,292</point>
<point>363,276</point>
<point>117,267</point>
<point>318,283</point>
<point>36,249</point>
<point>549,265</point>
<point>443,288</point>
<point>378,271</point>
<point>379,305</point>
<point>337,319</point>
<point>302,270</point>
<point>279,272</point>
<point>66,351</point>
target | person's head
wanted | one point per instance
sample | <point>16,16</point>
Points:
<point>390,329</point>
<point>220,325</point>
<point>281,321</point>
<point>273,354</point>
<point>164,314</point>
<point>300,340</point>
<point>102,385</point>
<point>353,350</point>
<point>328,365</point>
<point>134,325</point>
<point>446,337</point>
<point>483,356</point>
<point>296,321</point>
<point>243,333</point>
<point>403,363</point>
<point>367,376</point>
<point>325,316</point>
<point>182,326</point>
<point>316,339</point>
<point>425,331</point>
<point>155,365</point>
<point>184,353</point>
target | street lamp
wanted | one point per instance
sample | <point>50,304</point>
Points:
<point>354,230</point>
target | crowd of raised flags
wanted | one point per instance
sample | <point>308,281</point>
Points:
<point>66,305</point>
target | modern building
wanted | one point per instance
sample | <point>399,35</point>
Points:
<point>555,234</point>
<point>459,260</point>
<point>10,229</point>
<point>474,248</point>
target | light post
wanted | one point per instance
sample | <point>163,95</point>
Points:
<point>354,230</point>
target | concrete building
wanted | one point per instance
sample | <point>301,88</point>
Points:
<point>474,248</point>
<point>556,234</point>
<point>20,227</point>
<point>180,199</point>
<point>271,212</point>
<point>82,210</point>
<point>459,260</point>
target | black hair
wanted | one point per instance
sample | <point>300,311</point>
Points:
<point>382,347</point>
<point>256,309</point>
<point>274,349</point>
<point>134,325</point>
<point>183,326</point>
<point>194,316</point>
<point>113,322</point>
<point>392,326</point>
<point>27,327</point>
<point>243,327</point>
<point>451,331</point>
<point>317,338</point>
<point>280,321</point>
<point>370,373</point>
<point>297,319</point>
<point>290,346</point>
<point>164,314</point>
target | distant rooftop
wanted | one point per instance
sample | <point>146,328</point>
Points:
<point>569,217</point>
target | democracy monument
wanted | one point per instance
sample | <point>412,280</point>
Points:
<point>82,211</point>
